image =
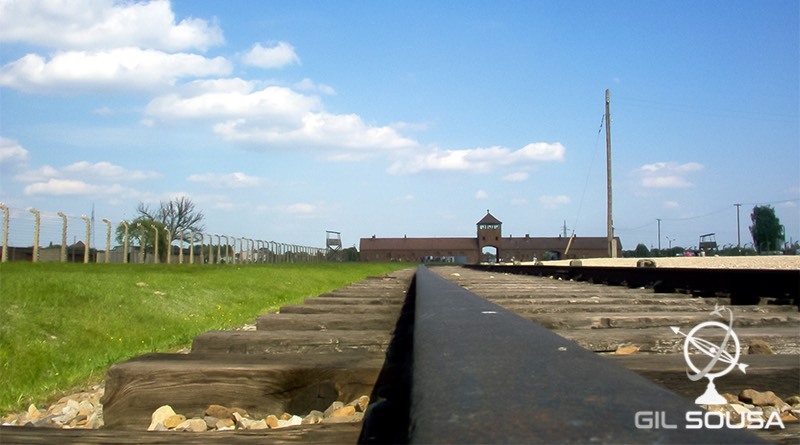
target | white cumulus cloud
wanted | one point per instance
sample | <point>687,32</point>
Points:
<point>321,129</point>
<point>104,24</point>
<point>63,187</point>
<point>235,180</point>
<point>126,68</point>
<point>477,159</point>
<point>12,152</point>
<point>107,170</point>
<point>101,179</point>
<point>516,177</point>
<point>234,98</point>
<point>554,201</point>
<point>276,56</point>
<point>274,115</point>
<point>481,194</point>
<point>311,86</point>
<point>667,174</point>
<point>301,208</point>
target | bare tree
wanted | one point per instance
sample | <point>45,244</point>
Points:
<point>177,215</point>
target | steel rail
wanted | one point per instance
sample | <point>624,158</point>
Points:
<point>744,286</point>
<point>481,374</point>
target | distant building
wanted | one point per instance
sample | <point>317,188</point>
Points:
<point>489,245</point>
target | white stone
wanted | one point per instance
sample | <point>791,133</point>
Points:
<point>292,421</point>
<point>194,425</point>
<point>258,425</point>
<point>740,409</point>
<point>159,416</point>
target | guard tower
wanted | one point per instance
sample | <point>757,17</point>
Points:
<point>490,230</point>
<point>333,243</point>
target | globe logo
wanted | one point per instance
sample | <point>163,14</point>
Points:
<point>715,353</point>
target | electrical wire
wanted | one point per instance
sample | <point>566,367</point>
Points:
<point>588,174</point>
<point>676,108</point>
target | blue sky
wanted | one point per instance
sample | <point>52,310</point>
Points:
<point>285,119</point>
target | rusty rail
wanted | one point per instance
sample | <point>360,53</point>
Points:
<point>744,286</point>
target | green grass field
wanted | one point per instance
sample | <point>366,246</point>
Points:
<point>62,325</point>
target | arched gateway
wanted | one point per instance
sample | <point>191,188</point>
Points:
<point>489,239</point>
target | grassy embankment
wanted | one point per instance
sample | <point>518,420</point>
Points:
<point>62,325</point>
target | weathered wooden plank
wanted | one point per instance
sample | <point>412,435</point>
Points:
<point>381,309</point>
<point>522,308</point>
<point>777,373</point>
<point>395,291</point>
<point>309,434</point>
<point>782,340</point>
<point>326,321</point>
<point>650,299</point>
<point>391,301</point>
<point>274,341</point>
<point>261,384</point>
<point>584,320</point>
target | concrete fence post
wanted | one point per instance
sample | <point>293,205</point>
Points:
<point>211,258</point>
<point>141,242</point>
<point>169,245</point>
<point>36,224</point>
<point>155,243</point>
<point>4,254</point>
<point>180,245</point>
<point>87,246</point>
<point>63,256</point>
<point>108,240</point>
<point>191,247</point>
<point>125,243</point>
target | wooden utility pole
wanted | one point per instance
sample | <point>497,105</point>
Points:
<point>738,226</point>
<point>612,246</point>
<point>659,233</point>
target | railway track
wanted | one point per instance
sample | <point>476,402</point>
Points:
<point>363,339</point>
<point>605,319</point>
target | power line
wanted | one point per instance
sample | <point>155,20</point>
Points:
<point>635,228</point>
<point>689,218</point>
<point>588,174</point>
<point>728,113</point>
<point>770,202</point>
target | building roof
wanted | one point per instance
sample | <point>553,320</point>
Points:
<point>558,244</point>
<point>418,244</point>
<point>489,219</point>
<point>554,243</point>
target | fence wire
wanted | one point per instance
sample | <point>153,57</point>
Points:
<point>33,235</point>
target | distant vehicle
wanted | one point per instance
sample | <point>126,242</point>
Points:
<point>708,243</point>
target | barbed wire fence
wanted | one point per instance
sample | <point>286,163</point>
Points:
<point>42,236</point>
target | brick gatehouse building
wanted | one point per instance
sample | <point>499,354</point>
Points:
<point>489,239</point>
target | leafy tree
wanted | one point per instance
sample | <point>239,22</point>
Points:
<point>641,251</point>
<point>351,254</point>
<point>140,232</point>
<point>767,231</point>
<point>177,215</point>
